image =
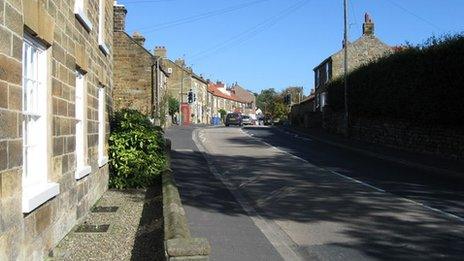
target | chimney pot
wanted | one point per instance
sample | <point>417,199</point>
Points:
<point>368,25</point>
<point>138,38</point>
<point>161,51</point>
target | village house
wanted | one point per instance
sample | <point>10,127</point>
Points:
<point>309,112</point>
<point>234,99</point>
<point>140,81</point>
<point>182,80</point>
<point>55,84</point>
<point>362,51</point>
<point>244,97</point>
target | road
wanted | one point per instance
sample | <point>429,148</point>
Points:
<point>307,200</point>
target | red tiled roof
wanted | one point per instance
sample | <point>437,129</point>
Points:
<point>213,88</point>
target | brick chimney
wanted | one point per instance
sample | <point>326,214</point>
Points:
<point>119,18</point>
<point>138,38</point>
<point>161,51</point>
<point>368,25</point>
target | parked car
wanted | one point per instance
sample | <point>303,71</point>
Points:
<point>246,120</point>
<point>233,119</point>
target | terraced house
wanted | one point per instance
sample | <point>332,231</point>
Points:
<point>55,86</point>
<point>140,81</point>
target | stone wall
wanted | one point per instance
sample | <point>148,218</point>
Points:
<point>434,140</point>
<point>303,115</point>
<point>437,140</point>
<point>69,45</point>
<point>133,74</point>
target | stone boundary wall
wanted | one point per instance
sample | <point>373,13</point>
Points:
<point>434,140</point>
<point>179,245</point>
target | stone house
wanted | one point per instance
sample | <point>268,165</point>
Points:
<point>362,51</point>
<point>200,105</point>
<point>55,96</point>
<point>244,97</point>
<point>227,99</point>
<point>140,82</point>
<point>182,79</point>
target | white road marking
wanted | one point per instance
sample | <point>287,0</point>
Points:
<point>183,150</point>
<point>273,232</point>
<point>450,215</point>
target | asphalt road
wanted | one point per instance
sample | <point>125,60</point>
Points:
<point>286,197</point>
<point>211,209</point>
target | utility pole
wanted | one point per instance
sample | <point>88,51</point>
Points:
<point>345,64</point>
<point>181,98</point>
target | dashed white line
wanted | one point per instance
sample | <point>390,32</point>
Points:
<point>450,215</point>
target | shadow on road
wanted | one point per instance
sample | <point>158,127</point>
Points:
<point>377,225</point>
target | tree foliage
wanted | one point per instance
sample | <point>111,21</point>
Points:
<point>422,84</point>
<point>173,104</point>
<point>136,150</point>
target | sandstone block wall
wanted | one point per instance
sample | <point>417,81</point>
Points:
<point>31,236</point>
<point>133,74</point>
<point>435,140</point>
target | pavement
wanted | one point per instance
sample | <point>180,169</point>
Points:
<point>139,237</point>
<point>262,194</point>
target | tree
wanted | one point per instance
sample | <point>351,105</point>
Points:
<point>223,114</point>
<point>265,99</point>
<point>295,92</point>
<point>173,105</point>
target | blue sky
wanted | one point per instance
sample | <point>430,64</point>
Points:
<point>276,43</point>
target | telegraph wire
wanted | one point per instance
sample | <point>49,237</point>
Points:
<point>249,33</point>
<point>201,16</point>
<point>415,15</point>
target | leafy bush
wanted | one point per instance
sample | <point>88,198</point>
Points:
<point>422,84</point>
<point>136,149</point>
<point>173,105</point>
<point>223,114</point>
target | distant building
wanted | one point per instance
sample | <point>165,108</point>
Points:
<point>245,97</point>
<point>233,99</point>
<point>182,79</point>
<point>362,51</point>
<point>140,82</point>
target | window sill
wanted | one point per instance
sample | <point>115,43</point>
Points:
<point>104,48</point>
<point>34,196</point>
<point>83,19</point>
<point>102,161</point>
<point>82,172</point>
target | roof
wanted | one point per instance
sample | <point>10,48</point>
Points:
<point>219,90</point>
<point>359,40</point>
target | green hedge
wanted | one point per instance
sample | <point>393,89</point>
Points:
<point>422,84</point>
<point>136,149</point>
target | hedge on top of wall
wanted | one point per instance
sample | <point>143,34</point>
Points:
<point>422,84</point>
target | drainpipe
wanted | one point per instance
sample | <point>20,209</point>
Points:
<point>152,104</point>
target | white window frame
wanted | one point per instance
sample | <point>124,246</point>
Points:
<point>101,28</point>
<point>36,189</point>
<point>82,169</point>
<point>79,11</point>
<point>323,100</point>
<point>102,158</point>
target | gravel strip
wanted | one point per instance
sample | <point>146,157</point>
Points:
<point>135,232</point>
